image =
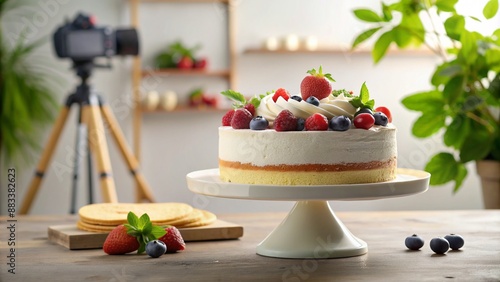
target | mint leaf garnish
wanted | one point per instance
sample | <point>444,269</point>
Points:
<point>364,94</point>
<point>132,219</point>
<point>235,96</point>
<point>157,231</point>
<point>143,229</point>
<point>363,100</point>
<point>143,220</point>
<point>370,104</point>
<point>239,100</point>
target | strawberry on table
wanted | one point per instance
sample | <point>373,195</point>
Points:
<point>316,84</point>
<point>173,239</point>
<point>119,242</point>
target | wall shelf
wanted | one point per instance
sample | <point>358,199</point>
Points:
<point>340,51</point>
<point>185,109</point>
<point>186,72</point>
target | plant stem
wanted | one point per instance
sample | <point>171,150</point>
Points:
<point>441,51</point>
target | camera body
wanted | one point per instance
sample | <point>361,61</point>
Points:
<point>81,40</point>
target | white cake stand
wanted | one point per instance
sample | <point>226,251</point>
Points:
<point>311,229</point>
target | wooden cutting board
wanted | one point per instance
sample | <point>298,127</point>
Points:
<point>73,238</point>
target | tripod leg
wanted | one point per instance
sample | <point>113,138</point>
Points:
<point>90,177</point>
<point>44,161</point>
<point>143,192</point>
<point>97,140</point>
<point>81,130</point>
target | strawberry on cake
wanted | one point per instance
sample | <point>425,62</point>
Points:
<point>320,137</point>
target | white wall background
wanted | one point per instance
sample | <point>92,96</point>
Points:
<point>176,144</point>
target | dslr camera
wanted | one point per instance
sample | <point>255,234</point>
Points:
<point>81,40</point>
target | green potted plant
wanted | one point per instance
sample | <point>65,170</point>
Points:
<point>464,100</point>
<point>27,103</point>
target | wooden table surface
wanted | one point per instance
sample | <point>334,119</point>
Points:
<point>37,259</point>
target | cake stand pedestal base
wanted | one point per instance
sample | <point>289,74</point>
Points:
<point>311,230</point>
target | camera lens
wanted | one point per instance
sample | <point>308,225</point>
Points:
<point>127,42</point>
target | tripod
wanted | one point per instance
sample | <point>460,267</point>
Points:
<point>91,111</point>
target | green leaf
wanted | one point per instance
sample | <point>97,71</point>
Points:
<point>386,12</point>
<point>402,37</point>
<point>457,131</point>
<point>446,5</point>
<point>496,35</point>
<point>370,104</point>
<point>142,248</point>
<point>471,103</point>
<point>490,9</point>
<point>428,124</point>
<point>143,220</point>
<point>477,145</point>
<point>413,24</point>
<point>356,102</point>
<point>430,101</point>
<point>494,90</point>
<point>382,45</point>
<point>158,232</point>
<point>235,96</point>
<point>469,46</point>
<point>495,148</point>
<point>147,228</point>
<point>132,219</point>
<point>454,26</point>
<point>445,71</point>
<point>364,94</point>
<point>453,89</point>
<point>459,179</point>
<point>367,15</point>
<point>443,168</point>
<point>492,57</point>
<point>364,36</point>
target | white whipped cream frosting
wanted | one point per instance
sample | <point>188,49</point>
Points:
<point>329,107</point>
<point>269,147</point>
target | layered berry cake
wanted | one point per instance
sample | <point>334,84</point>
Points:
<point>320,137</point>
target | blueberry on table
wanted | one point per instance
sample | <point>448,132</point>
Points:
<point>439,245</point>
<point>380,119</point>
<point>340,123</point>
<point>456,241</point>
<point>313,101</point>
<point>414,242</point>
<point>155,248</point>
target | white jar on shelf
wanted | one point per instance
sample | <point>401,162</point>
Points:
<point>168,100</point>
<point>292,42</point>
<point>272,43</point>
<point>151,100</point>
<point>311,43</point>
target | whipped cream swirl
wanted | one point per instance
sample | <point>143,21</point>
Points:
<point>329,107</point>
